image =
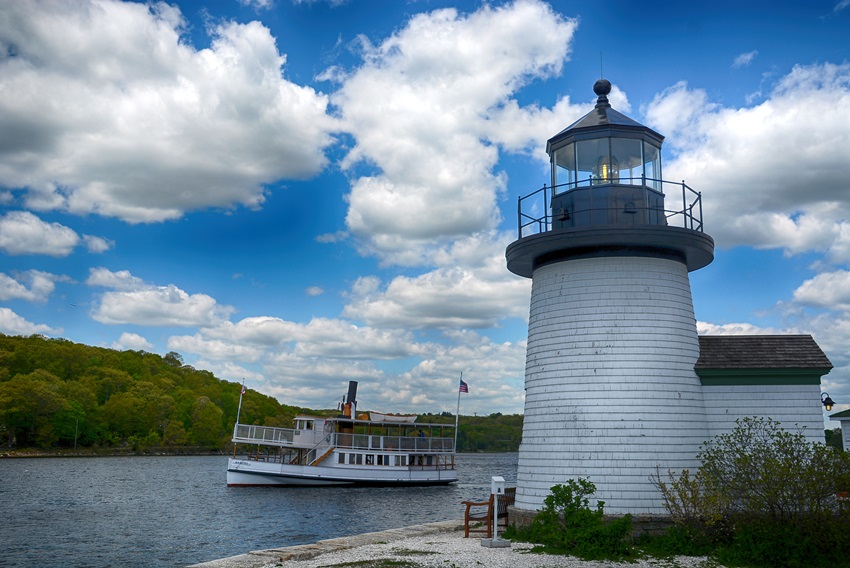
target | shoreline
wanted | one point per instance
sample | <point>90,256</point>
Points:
<point>112,453</point>
<point>274,556</point>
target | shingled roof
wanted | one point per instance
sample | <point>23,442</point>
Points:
<point>760,352</point>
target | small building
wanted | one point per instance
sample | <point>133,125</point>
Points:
<point>764,376</point>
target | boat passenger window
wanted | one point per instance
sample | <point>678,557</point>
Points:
<point>401,460</point>
<point>370,459</point>
<point>380,460</point>
<point>359,460</point>
<point>341,458</point>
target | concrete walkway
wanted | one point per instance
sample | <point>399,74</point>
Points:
<point>274,556</point>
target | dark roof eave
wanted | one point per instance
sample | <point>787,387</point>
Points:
<point>750,352</point>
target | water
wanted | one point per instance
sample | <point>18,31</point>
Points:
<point>174,511</point>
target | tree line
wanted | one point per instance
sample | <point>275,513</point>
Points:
<point>56,394</point>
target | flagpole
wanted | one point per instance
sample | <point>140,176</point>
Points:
<point>457,414</point>
<point>239,410</point>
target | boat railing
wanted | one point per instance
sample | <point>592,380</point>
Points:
<point>250,434</point>
<point>393,443</point>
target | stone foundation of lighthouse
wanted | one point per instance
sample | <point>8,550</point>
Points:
<point>611,392</point>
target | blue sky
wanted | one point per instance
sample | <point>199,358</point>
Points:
<point>301,193</point>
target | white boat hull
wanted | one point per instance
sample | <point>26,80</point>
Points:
<point>242,472</point>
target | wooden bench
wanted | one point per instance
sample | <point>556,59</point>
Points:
<point>479,514</point>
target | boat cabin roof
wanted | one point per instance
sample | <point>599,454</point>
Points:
<point>417,425</point>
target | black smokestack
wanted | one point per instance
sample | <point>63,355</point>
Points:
<point>352,392</point>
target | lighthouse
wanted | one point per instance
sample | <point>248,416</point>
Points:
<point>611,391</point>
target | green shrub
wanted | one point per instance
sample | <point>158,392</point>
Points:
<point>763,496</point>
<point>567,525</point>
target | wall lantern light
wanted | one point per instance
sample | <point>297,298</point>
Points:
<point>826,401</point>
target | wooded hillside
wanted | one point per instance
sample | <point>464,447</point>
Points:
<point>58,394</point>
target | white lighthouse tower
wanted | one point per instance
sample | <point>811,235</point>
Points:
<point>611,392</point>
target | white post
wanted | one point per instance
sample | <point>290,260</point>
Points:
<point>497,490</point>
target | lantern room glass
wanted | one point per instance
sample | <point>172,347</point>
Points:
<point>624,161</point>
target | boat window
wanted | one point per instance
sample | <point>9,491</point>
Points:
<point>341,458</point>
<point>370,459</point>
<point>381,460</point>
<point>359,460</point>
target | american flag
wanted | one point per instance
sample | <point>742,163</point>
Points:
<point>244,390</point>
<point>464,387</point>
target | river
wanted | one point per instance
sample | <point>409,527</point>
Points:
<point>175,511</point>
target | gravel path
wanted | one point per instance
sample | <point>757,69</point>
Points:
<point>450,549</point>
<point>432,545</point>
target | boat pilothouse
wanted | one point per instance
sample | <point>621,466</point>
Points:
<point>362,449</point>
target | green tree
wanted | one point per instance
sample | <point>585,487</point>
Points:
<point>175,434</point>
<point>28,404</point>
<point>207,428</point>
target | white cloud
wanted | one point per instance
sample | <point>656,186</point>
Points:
<point>774,175</point>
<point>471,289</point>
<point>258,5</point>
<point>421,108</point>
<point>13,324</point>
<point>309,364</point>
<point>332,237</point>
<point>132,341</point>
<point>320,337</point>
<point>21,232</point>
<point>214,348</point>
<point>745,59</point>
<point>121,280</point>
<point>705,328</point>
<point>494,371</point>
<point>230,371</point>
<point>107,109</point>
<point>138,303</point>
<point>314,291</point>
<point>443,298</point>
<point>829,290</point>
<point>32,285</point>
<point>342,340</point>
<point>97,244</point>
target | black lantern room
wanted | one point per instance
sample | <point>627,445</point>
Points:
<point>606,170</point>
<point>607,197</point>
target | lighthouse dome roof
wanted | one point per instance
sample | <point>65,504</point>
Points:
<point>603,118</point>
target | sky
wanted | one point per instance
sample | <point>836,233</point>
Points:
<point>301,193</point>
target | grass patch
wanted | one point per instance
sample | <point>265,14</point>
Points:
<point>410,552</point>
<point>376,563</point>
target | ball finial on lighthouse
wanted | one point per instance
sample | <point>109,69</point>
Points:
<point>602,87</point>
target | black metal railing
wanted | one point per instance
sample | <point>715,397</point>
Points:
<point>532,219</point>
